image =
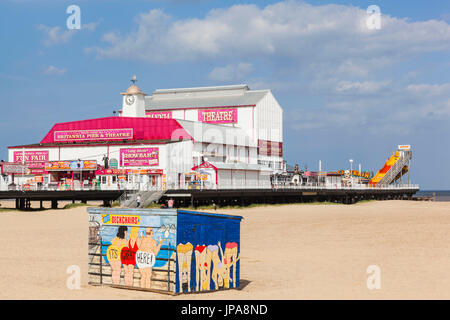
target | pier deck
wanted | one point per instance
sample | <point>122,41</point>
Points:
<point>223,197</point>
<point>23,198</point>
<point>196,197</point>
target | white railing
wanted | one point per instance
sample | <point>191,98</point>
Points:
<point>147,187</point>
<point>308,187</point>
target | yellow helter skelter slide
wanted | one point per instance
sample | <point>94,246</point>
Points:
<point>395,167</point>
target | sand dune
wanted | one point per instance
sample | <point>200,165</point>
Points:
<point>287,252</point>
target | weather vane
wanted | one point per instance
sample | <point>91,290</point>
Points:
<point>133,79</point>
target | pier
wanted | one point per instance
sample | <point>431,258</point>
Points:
<point>219,197</point>
<point>244,197</point>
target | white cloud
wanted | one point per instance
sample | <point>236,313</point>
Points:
<point>91,26</point>
<point>430,89</point>
<point>435,99</point>
<point>232,72</point>
<point>52,70</point>
<point>366,87</point>
<point>290,30</point>
<point>323,54</point>
<point>57,35</point>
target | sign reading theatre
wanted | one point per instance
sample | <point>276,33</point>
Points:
<point>218,115</point>
<point>93,135</point>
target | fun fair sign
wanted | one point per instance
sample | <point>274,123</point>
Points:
<point>31,156</point>
<point>218,116</point>
<point>93,135</point>
<point>137,157</point>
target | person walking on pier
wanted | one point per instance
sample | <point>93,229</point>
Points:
<point>138,200</point>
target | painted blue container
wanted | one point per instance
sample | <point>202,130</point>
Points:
<point>164,250</point>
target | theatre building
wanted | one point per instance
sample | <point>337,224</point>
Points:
<point>212,137</point>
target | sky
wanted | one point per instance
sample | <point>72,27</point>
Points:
<point>349,90</point>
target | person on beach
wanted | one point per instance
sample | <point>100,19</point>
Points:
<point>148,246</point>
<point>113,253</point>
<point>170,203</point>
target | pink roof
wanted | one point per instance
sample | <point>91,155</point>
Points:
<point>205,165</point>
<point>143,128</point>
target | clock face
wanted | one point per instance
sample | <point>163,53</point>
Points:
<point>129,100</point>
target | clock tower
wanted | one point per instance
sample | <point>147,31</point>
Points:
<point>133,102</point>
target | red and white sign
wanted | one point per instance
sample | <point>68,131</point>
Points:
<point>93,135</point>
<point>159,114</point>
<point>31,156</point>
<point>270,148</point>
<point>36,165</point>
<point>37,171</point>
<point>404,147</point>
<point>127,171</point>
<point>218,115</point>
<point>13,168</point>
<point>137,157</point>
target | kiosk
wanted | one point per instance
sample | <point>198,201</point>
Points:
<point>164,250</point>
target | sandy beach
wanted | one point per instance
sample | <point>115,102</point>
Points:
<point>316,251</point>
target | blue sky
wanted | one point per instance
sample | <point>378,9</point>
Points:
<point>347,91</point>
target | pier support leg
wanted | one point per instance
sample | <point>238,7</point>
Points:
<point>41,205</point>
<point>17,203</point>
<point>54,204</point>
<point>106,203</point>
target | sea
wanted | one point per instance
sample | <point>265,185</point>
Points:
<point>441,195</point>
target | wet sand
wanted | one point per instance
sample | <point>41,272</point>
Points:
<point>287,252</point>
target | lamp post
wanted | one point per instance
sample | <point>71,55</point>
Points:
<point>359,174</point>
<point>81,173</point>
<point>23,165</point>
<point>351,171</point>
